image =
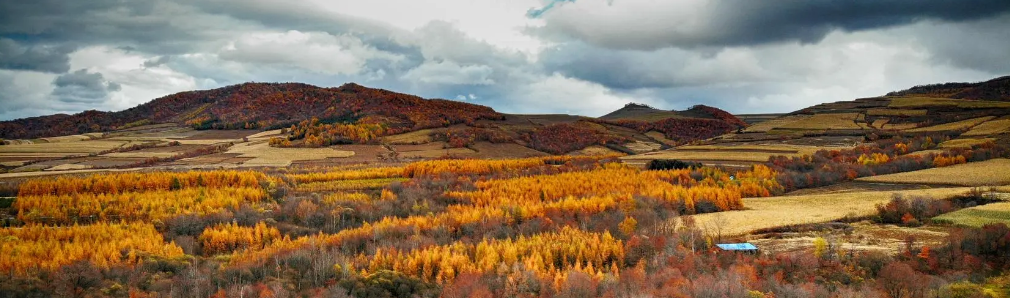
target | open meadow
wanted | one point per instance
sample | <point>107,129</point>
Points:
<point>766,213</point>
<point>978,216</point>
<point>995,172</point>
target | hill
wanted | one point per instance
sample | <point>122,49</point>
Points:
<point>949,116</point>
<point>272,124</point>
<point>635,111</point>
<point>997,89</point>
<point>261,106</point>
<point>641,112</point>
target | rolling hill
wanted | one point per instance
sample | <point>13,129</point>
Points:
<point>260,106</point>
<point>952,115</point>
<point>312,116</point>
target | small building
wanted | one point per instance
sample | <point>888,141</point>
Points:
<point>738,247</point>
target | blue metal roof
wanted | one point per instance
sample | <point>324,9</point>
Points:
<point>737,246</point>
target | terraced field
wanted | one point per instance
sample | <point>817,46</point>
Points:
<point>978,216</point>
<point>985,173</point>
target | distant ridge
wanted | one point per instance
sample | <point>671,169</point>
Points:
<point>637,111</point>
<point>642,112</point>
<point>997,89</point>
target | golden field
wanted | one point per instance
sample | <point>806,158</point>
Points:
<point>979,216</point>
<point>764,213</point>
<point>993,127</point>
<point>984,173</point>
<point>963,124</point>
<point>964,143</point>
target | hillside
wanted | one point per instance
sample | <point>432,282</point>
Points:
<point>997,89</point>
<point>261,106</point>
<point>949,116</point>
<point>634,111</point>
<point>280,124</point>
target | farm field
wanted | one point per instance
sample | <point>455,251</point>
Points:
<point>729,153</point>
<point>965,124</point>
<point>371,193</point>
<point>825,121</point>
<point>995,172</point>
<point>965,143</point>
<point>988,128</point>
<point>765,213</point>
<point>978,216</point>
<point>262,154</point>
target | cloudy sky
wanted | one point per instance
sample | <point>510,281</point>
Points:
<point>583,57</point>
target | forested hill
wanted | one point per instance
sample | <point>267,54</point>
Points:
<point>261,106</point>
<point>997,89</point>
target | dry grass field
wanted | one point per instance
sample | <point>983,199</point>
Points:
<point>595,150</point>
<point>266,134</point>
<point>763,213</point>
<point>436,153</point>
<point>70,138</point>
<point>895,112</point>
<point>728,153</point>
<point>963,124</point>
<point>825,121</point>
<point>767,126</point>
<point>988,128</point>
<point>964,143</point>
<point>65,148</point>
<point>750,156</point>
<point>504,150</point>
<point>264,155</point>
<point>658,136</point>
<point>899,126</point>
<point>984,173</point>
<point>914,101</point>
<point>640,146</point>
<point>980,104</point>
<point>785,149</point>
<point>921,102</point>
<point>415,137</point>
<point>979,216</point>
<point>927,152</point>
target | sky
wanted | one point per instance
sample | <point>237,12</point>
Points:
<point>585,57</point>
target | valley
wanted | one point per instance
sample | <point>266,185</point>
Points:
<point>368,192</point>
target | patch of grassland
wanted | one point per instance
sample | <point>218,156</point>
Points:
<point>775,123</point>
<point>895,112</point>
<point>983,173</point>
<point>415,137</point>
<point>825,121</point>
<point>978,216</point>
<point>750,156</point>
<point>264,155</point>
<point>963,124</point>
<point>964,143</point>
<point>763,213</point>
<point>994,127</point>
<point>922,102</point>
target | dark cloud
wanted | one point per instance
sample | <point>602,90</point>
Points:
<point>16,56</point>
<point>149,25</point>
<point>159,61</point>
<point>687,24</point>
<point>742,55</point>
<point>982,45</point>
<point>83,87</point>
<point>664,68</point>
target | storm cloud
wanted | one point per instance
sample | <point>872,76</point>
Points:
<point>532,56</point>
<point>648,25</point>
<point>83,87</point>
